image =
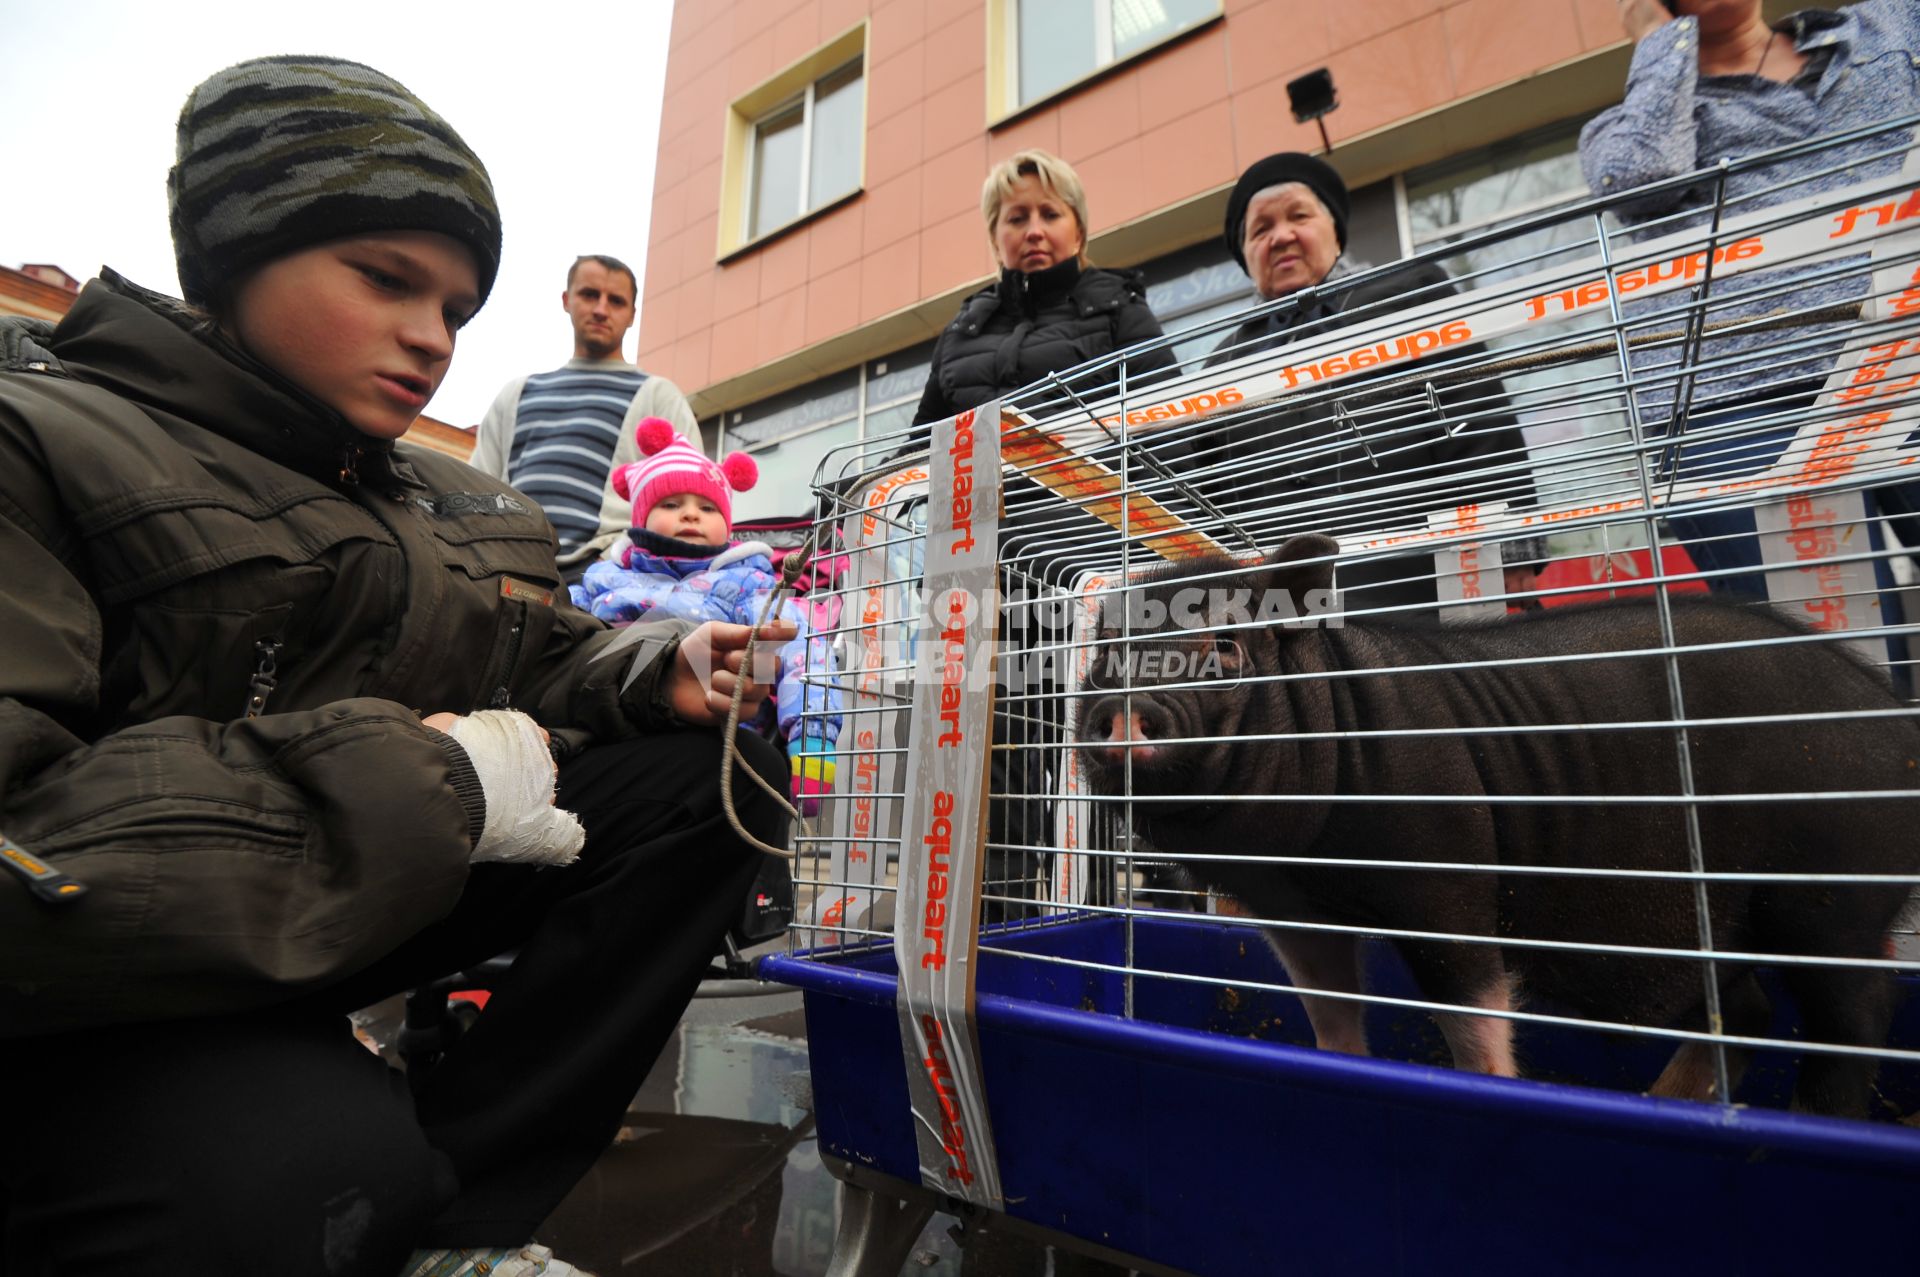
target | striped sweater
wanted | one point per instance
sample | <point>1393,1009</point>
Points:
<point>557,436</point>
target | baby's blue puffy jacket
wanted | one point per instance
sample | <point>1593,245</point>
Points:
<point>731,586</point>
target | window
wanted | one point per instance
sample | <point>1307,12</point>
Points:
<point>1488,189</point>
<point>790,434</point>
<point>807,152</point>
<point>1043,46</point>
<point>795,144</point>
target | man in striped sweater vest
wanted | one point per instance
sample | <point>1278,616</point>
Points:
<point>558,436</point>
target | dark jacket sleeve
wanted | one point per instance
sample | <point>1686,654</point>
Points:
<point>934,405</point>
<point>227,864</point>
<point>603,683</point>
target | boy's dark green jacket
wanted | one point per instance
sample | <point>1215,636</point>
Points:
<point>181,530</point>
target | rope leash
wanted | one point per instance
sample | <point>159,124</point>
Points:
<point>790,571</point>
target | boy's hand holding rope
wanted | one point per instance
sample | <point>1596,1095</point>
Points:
<point>790,571</point>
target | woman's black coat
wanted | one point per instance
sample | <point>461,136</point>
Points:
<point>1022,327</point>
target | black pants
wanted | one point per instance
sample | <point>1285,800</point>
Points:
<point>274,1142</point>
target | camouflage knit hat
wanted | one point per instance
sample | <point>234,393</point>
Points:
<point>277,154</point>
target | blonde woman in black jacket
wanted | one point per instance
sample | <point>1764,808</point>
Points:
<point>1050,310</point>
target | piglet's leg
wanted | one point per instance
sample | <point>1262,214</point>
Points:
<point>1745,1010</point>
<point>1484,1043</point>
<point>1468,975</point>
<point>1317,960</point>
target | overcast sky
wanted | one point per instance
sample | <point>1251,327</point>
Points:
<point>560,99</point>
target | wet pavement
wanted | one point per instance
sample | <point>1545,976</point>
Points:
<point>716,1171</point>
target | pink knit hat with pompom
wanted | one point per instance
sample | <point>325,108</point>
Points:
<point>670,465</point>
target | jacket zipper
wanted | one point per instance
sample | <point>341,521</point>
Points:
<point>48,885</point>
<point>350,464</point>
<point>266,654</point>
<point>502,696</point>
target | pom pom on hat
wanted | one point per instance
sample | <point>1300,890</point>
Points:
<point>671,465</point>
<point>653,434</point>
<point>741,470</point>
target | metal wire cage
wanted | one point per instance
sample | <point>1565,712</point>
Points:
<point>1530,810</point>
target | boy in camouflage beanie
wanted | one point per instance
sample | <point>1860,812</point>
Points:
<point>276,154</point>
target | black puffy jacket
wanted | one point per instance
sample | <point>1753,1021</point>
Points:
<point>1021,328</point>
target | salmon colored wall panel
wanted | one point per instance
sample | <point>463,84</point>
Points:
<point>733,339</point>
<point>796,35</point>
<point>693,306</point>
<point>1390,77</point>
<point>892,211</point>
<point>687,361</point>
<point>954,252</point>
<point>1039,130</point>
<point>1490,42</point>
<point>950,182</point>
<point>710,46</point>
<point>736,286</point>
<point>783,320</point>
<point>703,196</point>
<point>783,265</point>
<point>895,27</point>
<point>1598,22</point>
<point>1187,156</point>
<point>955,48</point>
<point>835,239</point>
<point>833,303</point>
<point>706,98</point>
<point>656,332</point>
<point>1353,22</point>
<point>1275,36</point>
<point>837,15</point>
<point>669,211</point>
<point>1180,80</point>
<point>889,279</point>
<point>750,63</point>
<point>1115,189</point>
<point>892,87</point>
<point>1100,116</point>
<point>696,247</point>
<point>954,114</point>
<point>894,145</point>
<point>673,159</point>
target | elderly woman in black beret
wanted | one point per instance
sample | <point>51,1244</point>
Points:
<point>1390,457</point>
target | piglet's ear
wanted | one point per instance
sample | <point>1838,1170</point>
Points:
<point>1302,566</point>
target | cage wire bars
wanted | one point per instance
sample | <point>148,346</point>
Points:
<point>1744,371</point>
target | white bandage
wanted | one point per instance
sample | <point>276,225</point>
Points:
<point>516,771</point>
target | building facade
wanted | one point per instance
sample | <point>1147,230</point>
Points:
<point>37,290</point>
<point>816,211</point>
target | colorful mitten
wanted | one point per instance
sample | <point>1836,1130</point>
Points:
<point>812,772</point>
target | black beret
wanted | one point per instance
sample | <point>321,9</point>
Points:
<point>1288,166</point>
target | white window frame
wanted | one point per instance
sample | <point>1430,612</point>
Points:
<point>805,97</point>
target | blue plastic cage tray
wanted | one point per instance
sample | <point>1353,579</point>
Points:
<point>1206,1135</point>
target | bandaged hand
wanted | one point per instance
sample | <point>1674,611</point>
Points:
<point>509,753</point>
